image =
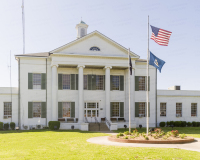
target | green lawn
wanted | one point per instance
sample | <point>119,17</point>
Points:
<point>41,144</point>
<point>189,131</point>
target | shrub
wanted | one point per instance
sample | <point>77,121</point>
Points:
<point>6,126</point>
<point>162,124</point>
<point>126,137</point>
<point>189,124</point>
<point>1,125</point>
<point>198,124</point>
<point>120,134</point>
<point>54,123</point>
<point>171,123</point>
<point>168,123</point>
<point>175,133</point>
<point>177,123</point>
<point>126,133</point>
<point>194,124</point>
<point>117,136</point>
<point>182,136</point>
<point>183,124</point>
<point>12,125</point>
<point>146,138</point>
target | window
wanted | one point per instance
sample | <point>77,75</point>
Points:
<point>178,109</point>
<point>115,109</point>
<point>36,109</point>
<point>194,109</point>
<point>66,109</point>
<point>7,110</point>
<point>82,32</point>
<point>94,49</point>
<point>99,82</point>
<point>36,81</point>
<point>142,84</point>
<point>66,81</point>
<point>163,109</point>
<point>115,82</point>
<point>142,109</point>
<point>85,82</point>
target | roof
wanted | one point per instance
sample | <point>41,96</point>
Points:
<point>90,34</point>
<point>42,54</point>
<point>82,22</point>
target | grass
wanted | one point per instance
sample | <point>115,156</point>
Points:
<point>189,131</point>
<point>45,144</point>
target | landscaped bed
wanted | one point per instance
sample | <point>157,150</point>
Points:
<point>157,136</point>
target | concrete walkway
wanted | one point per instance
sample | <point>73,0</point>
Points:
<point>194,146</point>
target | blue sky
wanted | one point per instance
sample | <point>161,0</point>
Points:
<point>51,23</point>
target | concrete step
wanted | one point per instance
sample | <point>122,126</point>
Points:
<point>95,127</point>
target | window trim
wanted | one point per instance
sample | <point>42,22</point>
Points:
<point>40,81</point>
<point>4,110</point>
<point>40,108</point>
<point>196,110</point>
<point>69,80</point>
<point>70,109</point>
<point>165,109</point>
<point>181,109</point>
<point>119,83</point>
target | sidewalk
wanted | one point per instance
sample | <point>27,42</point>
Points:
<point>194,146</point>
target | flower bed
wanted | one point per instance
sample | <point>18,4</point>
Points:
<point>157,137</point>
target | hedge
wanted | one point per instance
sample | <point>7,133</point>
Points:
<point>6,126</point>
<point>189,124</point>
<point>194,124</point>
<point>183,123</point>
<point>1,125</point>
<point>198,124</point>
<point>171,123</point>
<point>12,125</point>
<point>162,124</point>
<point>168,123</point>
<point>177,123</point>
<point>54,123</point>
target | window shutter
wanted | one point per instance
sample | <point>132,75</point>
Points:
<point>60,115</point>
<point>121,83</point>
<point>121,109</point>
<point>30,80</point>
<point>136,109</point>
<point>103,82</point>
<point>72,82</point>
<point>111,82</point>
<point>72,109</point>
<point>146,109</point>
<point>136,83</point>
<point>111,107</point>
<point>43,85</point>
<point>148,82</point>
<point>93,82</point>
<point>89,82</point>
<point>76,81</point>
<point>30,109</point>
<point>43,109</point>
<point>60,86</point>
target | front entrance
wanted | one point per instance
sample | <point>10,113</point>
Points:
<point>91,111</point>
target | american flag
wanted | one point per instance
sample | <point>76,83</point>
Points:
<point>160,36</point>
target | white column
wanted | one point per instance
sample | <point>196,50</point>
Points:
<point>80,93</point>
<point>54,93</point>
<point>107,89</point>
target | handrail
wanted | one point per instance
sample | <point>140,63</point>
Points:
<point>86,120</point>
<point>96,121</point>
<point>107,122</point>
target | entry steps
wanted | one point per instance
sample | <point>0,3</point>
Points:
<point>95,127</point>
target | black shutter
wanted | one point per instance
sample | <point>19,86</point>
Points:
<point>121,109</point>
<point>136,83</point>
<point>30,109</point>
<point>60,115</point>
<point>111,82</point>
<point>89,82</point>
<point>103,82</point>
<point>73,83</point>
<point>93,82</point>
<point>136,109</point>
<point>76,81</point>
<point>121,83</point>
<point>72,109</point>
<point>30,80</point>
<point>111,107</point>
<point>60,86</point>
<point>43,86</point>
<point>43,109</point>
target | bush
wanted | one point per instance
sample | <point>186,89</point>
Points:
<point>12,125</point>
<point>177,123</point>
<point>162,124</point>
<point>198,124</point>
<point>171,123</point>
<point>183,124</point>
<point>194,124</point>
<point>189,124</point>
<point>1,125</point>
<point>168,123</point>
<point>6,126</point>
<point>54,123</point>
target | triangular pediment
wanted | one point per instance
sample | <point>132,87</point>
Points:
<point>94,43</point>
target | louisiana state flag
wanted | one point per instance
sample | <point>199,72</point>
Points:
<point>156,62</point>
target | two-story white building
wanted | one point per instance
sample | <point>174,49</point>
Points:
<point>86,81</point>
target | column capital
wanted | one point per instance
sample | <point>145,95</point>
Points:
<point>56,65</point>
<point>107,67</point>
<point>80,66</point>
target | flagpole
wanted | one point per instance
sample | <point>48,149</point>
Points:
<point>129,93</point>
<point>147,116</point>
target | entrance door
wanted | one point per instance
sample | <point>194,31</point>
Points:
<point>92,111</point>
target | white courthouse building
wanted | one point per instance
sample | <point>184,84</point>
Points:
<point>86,81</point>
